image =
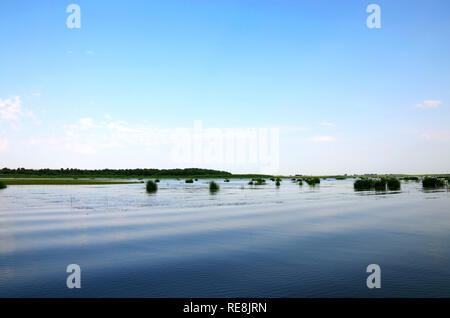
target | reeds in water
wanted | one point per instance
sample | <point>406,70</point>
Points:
<point>151,186</point>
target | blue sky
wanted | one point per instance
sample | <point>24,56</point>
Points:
<point>345,98</point>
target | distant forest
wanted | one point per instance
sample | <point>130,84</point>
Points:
<point>113,173</point>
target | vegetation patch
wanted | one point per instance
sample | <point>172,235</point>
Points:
<point>393,184</point>
<point>3,185</point>
<point>380,184</point>
<point>151,186</point>
<point>410,178</point>
<point>260,181</point>
<point>363,185</point>
<point>41,181</point>
<point>312,181</point>
<point>189,181</point>
<point>432,182</point>
<point>213,187</point>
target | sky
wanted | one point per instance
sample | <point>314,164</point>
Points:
<point>289,87</point>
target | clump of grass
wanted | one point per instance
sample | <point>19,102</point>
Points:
<point>340,178</point>
<point>432,182</point>
<point>260,181</point>
<point>227,180</point>
<point>410,178</point>
<point>3,185</point>
<point>272,179</point>
<point>151,186</point>
<point>312,181</point>
<point>277,183</point>
<point>250,183</point>
<point>278,179</point>
<point>189,181</point>
<point>213,187</point>
<point>196,179</point>
<point>157,180</point>
<point>380,184</point>
<point>293,180</point>
<point>363,184</point>
<point>393,184</point>
<point>300,182</point>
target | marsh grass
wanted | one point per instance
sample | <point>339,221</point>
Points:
<point>260,181</point>
<point>277,183</point>
<point>410,178</point>
<point>3,185</point>
<point>300,182</point>
<point>363,184</point>
<point>64,182</point>
<point>151,186</point>
<point>393,184</point>
<point>226,180</point>
<point>432,182</point>
<point>312,181</point>
<point>213,187</point>
<point>189,181</point>
<point>380,184</point>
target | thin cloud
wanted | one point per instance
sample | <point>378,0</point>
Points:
<point>326,123</point>
<point>429,103</point>
<point>11,109</point>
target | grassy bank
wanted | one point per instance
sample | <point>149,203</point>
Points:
<point>30,181</point>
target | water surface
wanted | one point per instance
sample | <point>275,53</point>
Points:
<point>243,241</point>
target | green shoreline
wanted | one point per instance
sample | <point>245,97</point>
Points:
<point>56,181</point>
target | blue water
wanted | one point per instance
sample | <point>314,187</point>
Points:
<point>243,241</point>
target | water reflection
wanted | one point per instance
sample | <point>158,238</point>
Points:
<point>244,240</point>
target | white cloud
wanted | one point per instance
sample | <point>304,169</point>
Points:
<point>326,123</point>
<point>82,125</point>
<point>37,94</point>
<point>429,103</point>
<point>11,109</point>
<point>89,52</point>
<point>323,138</point>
